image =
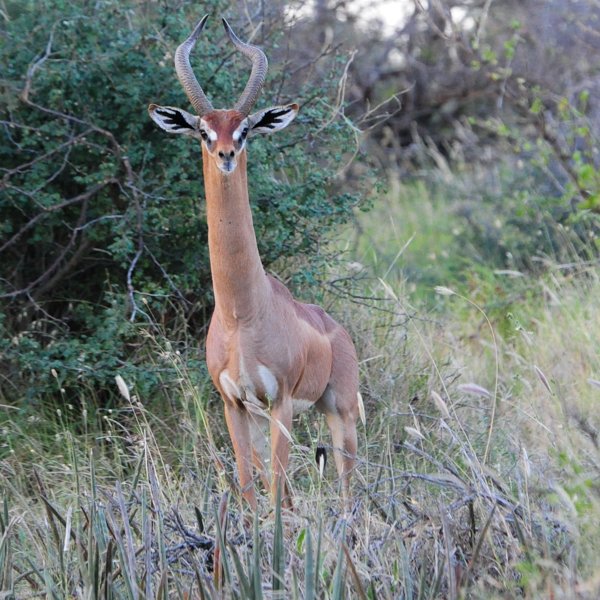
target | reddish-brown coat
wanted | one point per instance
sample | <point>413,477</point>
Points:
<point>257,323</point>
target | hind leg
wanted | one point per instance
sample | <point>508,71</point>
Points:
<point>340,404</point>
<point>341,420</point>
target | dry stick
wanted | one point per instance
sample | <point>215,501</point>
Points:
<point>33,67</point>
<point>449,549</point>
<point>140,236</point>
<point>220,540</point>
<point>478,546</point>
<point>357,582</point>
<point>191,540</point>
<point>482,21</point>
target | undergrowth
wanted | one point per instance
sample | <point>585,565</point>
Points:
<point>477,478</point>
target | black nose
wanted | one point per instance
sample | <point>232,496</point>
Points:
<point>224,154</point>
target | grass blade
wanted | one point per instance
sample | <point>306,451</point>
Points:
<point>477,549</point>
<point>129,548</point>
<point>256,552</point>
<point>244,582</point>
<point>221,573</point>
<point>309,568</point>
<point>278,564</point>
<point>318,557</point>
<point>339,574</point>
<point>6,582</point>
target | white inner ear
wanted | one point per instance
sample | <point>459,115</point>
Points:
<point>173,120</point>
<point>272,119</point>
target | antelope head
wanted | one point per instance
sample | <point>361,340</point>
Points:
<point>222,132</point>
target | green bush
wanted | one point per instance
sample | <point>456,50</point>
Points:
<point>102,228</point>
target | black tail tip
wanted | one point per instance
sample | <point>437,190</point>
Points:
<point>321,458</point>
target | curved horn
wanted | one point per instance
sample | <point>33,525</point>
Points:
<point>185,74</point>
<point>257,76</point>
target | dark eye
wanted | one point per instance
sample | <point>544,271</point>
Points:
<point>244,133</point>
<point>204,135</point>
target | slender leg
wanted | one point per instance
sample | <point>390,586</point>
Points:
<point>237,423</point>
<point>281,417</point>
<point>259,433</point>
<point>339,403</point>
<point>343,435</point>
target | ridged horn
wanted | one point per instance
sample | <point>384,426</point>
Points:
<point>185,74</point>
<point>257,76</point>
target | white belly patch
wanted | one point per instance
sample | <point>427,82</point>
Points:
<point>301,405</point>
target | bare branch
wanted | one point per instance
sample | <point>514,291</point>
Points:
<point>83,197</point>
<point>33,67</point>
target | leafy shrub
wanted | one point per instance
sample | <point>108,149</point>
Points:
<point>102,233</point>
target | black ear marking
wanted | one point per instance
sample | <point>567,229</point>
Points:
<point>174,119</point>
<point>271,118</point>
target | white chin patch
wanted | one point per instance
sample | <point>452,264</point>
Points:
<point>227,167</point>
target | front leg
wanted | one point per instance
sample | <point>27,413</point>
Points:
<point>281,426</point>
<point>261,454</point>
<point>236,417</point>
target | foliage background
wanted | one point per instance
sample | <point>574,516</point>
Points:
<point>469,130</point>
<point>103,229</point>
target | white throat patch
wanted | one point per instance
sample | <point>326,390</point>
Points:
<point>269,382</point>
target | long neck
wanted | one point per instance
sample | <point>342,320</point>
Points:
<point>239,281</point>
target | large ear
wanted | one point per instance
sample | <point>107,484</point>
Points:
<point>173,120</point>
<point>272,119</point>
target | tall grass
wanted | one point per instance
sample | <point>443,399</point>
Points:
<point>477,477</point>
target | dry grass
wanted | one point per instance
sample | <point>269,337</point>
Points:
<point>478,475</point>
